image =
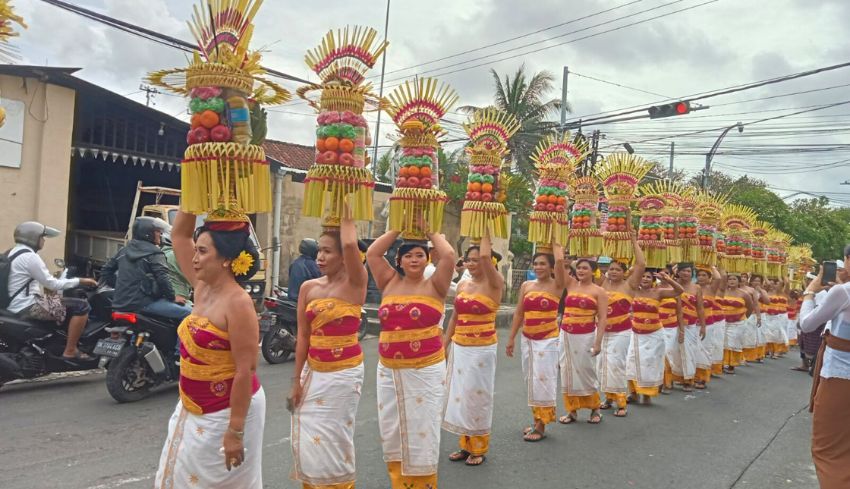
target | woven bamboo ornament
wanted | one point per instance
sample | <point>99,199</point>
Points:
<point>687,226</point>
<point>417,204</point>
<point>340,172</point>
<point>654,220</point>
<point>489,131</point>
<point>620,174</point>
<point>760,231</point>
<point>224,166</point>
<point>709,210</point>
<point>555,162</point>
<point>776,249</point>
<point>736,222</point>
<point>585,236</point>
<point>672,193</point>
<point>800,262</point>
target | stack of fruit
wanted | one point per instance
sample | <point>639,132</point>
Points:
<point>585,237</point>
<point>653,229</point>
<point>709,210</point>
<point>736,224</point>
<point>760,232</point>
<point>208,121</point>
<point>341,139</point>
<point>620,174</point>
<point>489,131</point>
<point>340,175</point>
<point>417,205</point>
<point>555,161</point>
<point>671,193</point>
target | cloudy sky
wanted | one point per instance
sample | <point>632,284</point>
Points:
<point>694,46</point>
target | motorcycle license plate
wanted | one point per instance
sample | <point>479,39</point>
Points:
<point>108,347</point>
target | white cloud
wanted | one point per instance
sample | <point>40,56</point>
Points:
<point>717,45</point>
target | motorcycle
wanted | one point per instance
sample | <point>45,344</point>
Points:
<point>139,354</point>
<point>279,327</point>
<point>32,348</point>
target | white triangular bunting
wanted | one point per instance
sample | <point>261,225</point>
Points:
<point>105,155</point>
<point>135,160</point>
<point>125,157</point>
<point>143,160</point>
<point>82,152</point>
<point>161,165</point>
<point>115,157</point>
<point>95,152</point>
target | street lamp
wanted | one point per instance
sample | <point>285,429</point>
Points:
<point>713,150</point>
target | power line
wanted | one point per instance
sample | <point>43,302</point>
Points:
<point>617,84</point>
<point>513,38</point>
<point>149,34</point>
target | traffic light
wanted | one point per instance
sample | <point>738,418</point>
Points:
<point>669,110</point>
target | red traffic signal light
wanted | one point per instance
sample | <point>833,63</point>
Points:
<point>669,110</point>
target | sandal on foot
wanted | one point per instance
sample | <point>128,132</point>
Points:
<point>621,410</point>
<point>597,416</point>
<point>78,356</point>
<point>479,460</point>
<point>699,385</point>
<point>459,455</point>
<point>605,406</point>
<point>534,436</point>
<point>688,388</point>
<point>568,419</point>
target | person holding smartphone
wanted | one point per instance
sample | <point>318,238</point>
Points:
<point>831,386</point>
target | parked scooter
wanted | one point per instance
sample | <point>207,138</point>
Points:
<point>31,348</point>
<point>139,354</point>
<point>279,327</point>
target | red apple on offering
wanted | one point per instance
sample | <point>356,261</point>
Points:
<point>329,157</point>
<point>413,181</point>
<point>475,196</point>
<point>486,196</point>
<point>559,208</point>
<point>198,135</point>
<point>425,182</point>
<point>346,159</point>
<point>550,207</point>
<point>401,182</point>
<point>220,133</point>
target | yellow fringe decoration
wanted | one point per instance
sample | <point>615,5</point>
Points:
<point>736,264</point>
<point>476,217</point>
<point>225,174</point>
<point>411,208</point>
<point>545,227</point>
<point>655,253</point>
<point>327,186</point>
<point>618,245</point>
<point>707,256</point>
<point>690,250</point>
<point>586,243</point>
<point>674,252</point>
<point>760,267</point>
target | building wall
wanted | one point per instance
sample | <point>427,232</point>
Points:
<point>38,190</point>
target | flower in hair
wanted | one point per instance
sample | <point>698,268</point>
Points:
<point>242,264</point>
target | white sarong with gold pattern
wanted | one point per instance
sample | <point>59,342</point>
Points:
<point>191,457</point>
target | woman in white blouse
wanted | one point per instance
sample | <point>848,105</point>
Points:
<point>831,389</point>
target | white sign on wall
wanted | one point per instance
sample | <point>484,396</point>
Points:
<point>12,133</point>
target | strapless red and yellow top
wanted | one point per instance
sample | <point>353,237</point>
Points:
<point>735,309</point>
<point>689,309</point>
<point>540,317</point>
<point>778,305</point>
<point>207,368</point>
<point>579,314</point>
<point>713,310</point>
<point>667,313</point>
<point>411,336</point>
<point>794,310</point>
<point>333,335</point>
<point>619,312</point>
<point>645,315</point>
<point>476,320</point>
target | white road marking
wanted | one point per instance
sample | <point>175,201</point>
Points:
<point>122,482</point>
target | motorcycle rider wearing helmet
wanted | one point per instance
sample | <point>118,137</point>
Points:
<point>29,274</point>
<point>139,274</point>
<point>304,267</point>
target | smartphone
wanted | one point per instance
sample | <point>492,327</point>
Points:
<point>829,270</point>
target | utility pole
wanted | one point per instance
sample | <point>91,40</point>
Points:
<point>672,151</point>
<point>150,93</point>
<point>594,151</point>
<point>708,156</point>
<point>562,129</point>
<point>380,96</point>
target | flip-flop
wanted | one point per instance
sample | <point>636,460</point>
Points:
<point>459,455</point>
<point>570,419</point>
<point>597,415</point>
<point>625,413</point>
<point>482,457</point>
<point>533,440</point>
<point>700,386</point>
<point>79,356</point>
<point>605,406</point>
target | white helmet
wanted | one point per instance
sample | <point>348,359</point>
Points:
<point>30,233</point>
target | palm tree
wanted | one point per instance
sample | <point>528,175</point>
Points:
<point>524,98</point>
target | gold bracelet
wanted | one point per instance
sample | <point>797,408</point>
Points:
<point>238,434</point>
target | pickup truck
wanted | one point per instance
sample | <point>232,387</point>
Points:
<point>92,249</point>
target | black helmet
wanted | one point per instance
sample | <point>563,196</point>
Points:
<point>165,240</point>
<point>144,228</point>
<point>309,247</point>
<point>30,233</point>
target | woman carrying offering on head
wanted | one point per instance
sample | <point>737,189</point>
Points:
<point>328,375</point>
<point>472,359</point>
<point>582,330</point>
<point>737,307</point>
<point>215,436</point>
<point>412,368</point>
<point>647,350</point>
<point>537,315</point>
<point>713,285</point>
<point>690,358</point>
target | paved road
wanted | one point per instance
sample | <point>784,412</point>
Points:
<point>747,431</point>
